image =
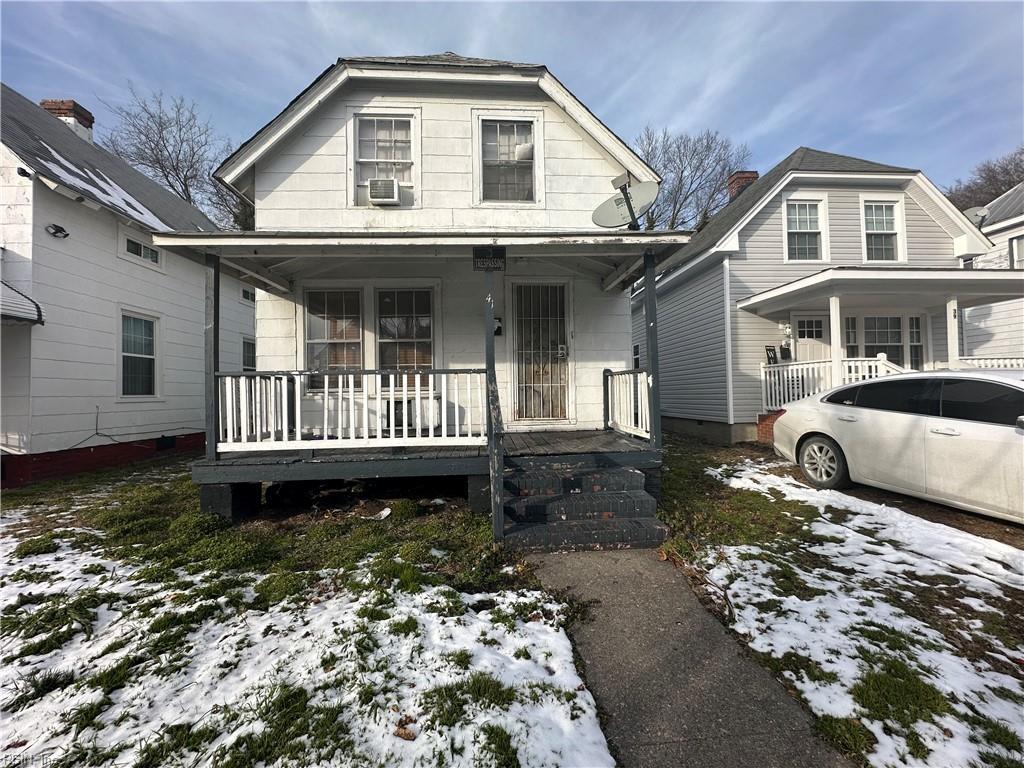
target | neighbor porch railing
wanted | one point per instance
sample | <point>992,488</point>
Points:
<point>1012,363</point>
<point>284,410</point>
<point>786,382</point>
<point>627,402</point>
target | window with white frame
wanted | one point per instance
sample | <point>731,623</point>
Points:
<point>507,152</point>
<point>405,328</point>
<point>636,356</point>
<point>916,340</point>
<point>138,356</point>
<point>810,329</point>
<point>884,335</point>
<point>334,332</point>
<point>141,250</point>
<point>850,337</point>
<point>383,150</point>
<point>248,354</point>
<point>248,293</point>
<point>803,231</point>
<point>880,234</point>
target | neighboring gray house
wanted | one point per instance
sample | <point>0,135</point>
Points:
<point>826,269</point>
<point>101,330</point>
<point>997,330</point>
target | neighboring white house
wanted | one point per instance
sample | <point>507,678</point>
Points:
<point>102,332</point>
<point>383,193</point>
<point>826,269</point>
<point>997,330</point>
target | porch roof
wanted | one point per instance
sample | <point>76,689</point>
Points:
<point>275,257</point>
<point>902,286</point>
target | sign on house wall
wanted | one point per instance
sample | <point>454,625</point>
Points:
<point>489,258</point>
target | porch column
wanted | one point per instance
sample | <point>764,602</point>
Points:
<point>495,453</point>
<point>651,317</point>
<point>212,334</point>
<point>952,332</point>
<point>835,327</point>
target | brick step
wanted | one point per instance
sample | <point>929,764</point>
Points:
<point>576,535</point>
<point>553,483</point>
<point>581,506</point>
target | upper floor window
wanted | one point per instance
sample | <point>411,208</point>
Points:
<point>383,150</point>
<point>803,231</point>
<point>880,234</point>
<point>142,251</point>
<point>508,160</point>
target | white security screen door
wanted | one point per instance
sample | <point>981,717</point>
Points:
<point>541,352</point>
<point>811,335</point>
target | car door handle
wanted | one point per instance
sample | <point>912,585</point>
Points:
<point>946,431</point>
<point>847,418</point>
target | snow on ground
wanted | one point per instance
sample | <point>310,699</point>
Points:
<point>877,588</point>
<point>367,667</point>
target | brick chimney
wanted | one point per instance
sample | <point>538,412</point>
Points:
<point>78,118</point>
<point>740,180</point>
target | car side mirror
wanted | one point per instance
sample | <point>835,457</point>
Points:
<point>1020,422</point>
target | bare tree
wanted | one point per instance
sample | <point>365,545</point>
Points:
<point>171,142</point>
<point>694,170</point>
<point>988,180</point>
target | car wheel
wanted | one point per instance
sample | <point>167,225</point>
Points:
<point>823,464</point>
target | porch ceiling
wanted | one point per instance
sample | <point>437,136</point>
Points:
<point>871,287</point>
<point>276,258</point>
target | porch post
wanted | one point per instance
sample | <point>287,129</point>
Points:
<point>835,327</point>
<point>651,317</point>
<point>496,459</point>
<point>952,332</point>
<point>212,333</point>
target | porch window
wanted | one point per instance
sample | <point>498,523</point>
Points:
<point>880,232</point>
<point>803,232</point>
<point>405,329</point>
<point>334,333</point>
<point>884,335</point>
<point>248,354</point>
<point>138,356</point>
<point>850,337</point>
<point>383,151</point>
<point>507,153</point>
<point>916,340</point>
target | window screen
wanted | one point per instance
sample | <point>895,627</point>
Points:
<point>917,396</point>
<point>984,401</point>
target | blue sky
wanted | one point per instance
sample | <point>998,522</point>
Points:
<point>937,86</point>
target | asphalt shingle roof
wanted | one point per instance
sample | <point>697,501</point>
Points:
<point>1008,205</point>
<point>803,159</point>
<point>51,149</point>
<point>446,59</point>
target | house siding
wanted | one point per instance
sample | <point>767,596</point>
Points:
<point>997,330</point>
<point>600,324</point>
<point>304,183</point>
<point>83,284</point>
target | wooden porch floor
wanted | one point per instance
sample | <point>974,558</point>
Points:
<point>600,447</point>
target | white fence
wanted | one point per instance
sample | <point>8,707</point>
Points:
<point>351,409</point>
<point>628,402</point>
<point>1013,363</point>
<point>786,382</point>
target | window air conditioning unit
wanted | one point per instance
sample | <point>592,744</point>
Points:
<point>383,191</point>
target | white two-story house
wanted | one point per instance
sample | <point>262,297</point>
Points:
<point>435,298</point>
<point>827,269</point>
<point>101,331</point>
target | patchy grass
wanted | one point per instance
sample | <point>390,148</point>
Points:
<point>37,545</point>
<point>446,705</point>
<point>498,749</point>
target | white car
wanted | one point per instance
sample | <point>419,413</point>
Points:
<point>954,437</point>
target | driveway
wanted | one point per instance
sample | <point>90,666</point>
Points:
<point>673,686</point>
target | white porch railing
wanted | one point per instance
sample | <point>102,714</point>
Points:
<point>786,382</point>
<point>288,410</point>
<point>628,402</point>
<point>1012,363</point>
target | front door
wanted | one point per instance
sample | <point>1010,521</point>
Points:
<point>540,352</point>
<point>811,335</point>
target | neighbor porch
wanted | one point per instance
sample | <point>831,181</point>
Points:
<point>850,324</point>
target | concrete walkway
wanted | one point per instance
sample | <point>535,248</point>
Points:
<point>676,688</point>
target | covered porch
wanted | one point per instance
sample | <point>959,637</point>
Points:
<point>849,324</point>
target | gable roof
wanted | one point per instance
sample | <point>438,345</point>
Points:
<point>52,150</point>
<point>1009,205</point>
<point>802,159</point>
<point>447,64</point>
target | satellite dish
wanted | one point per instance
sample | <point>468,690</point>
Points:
<point>977,215</point>
<point>614,212</point>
